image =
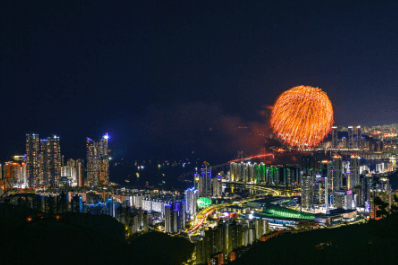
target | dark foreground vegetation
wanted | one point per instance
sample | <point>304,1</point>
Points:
<point>28,238</point>
<point>373,243</point>
<point>31,238</point>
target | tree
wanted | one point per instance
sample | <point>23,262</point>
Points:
<point>381,207</point>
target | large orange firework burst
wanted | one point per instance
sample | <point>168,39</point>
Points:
<point>302,116</point>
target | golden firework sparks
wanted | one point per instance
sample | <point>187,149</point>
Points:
<point>302,116</point>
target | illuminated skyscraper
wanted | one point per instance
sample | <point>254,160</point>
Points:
<point>97,161</point>
<point>343,199</point>
<point>354,171</point>
<point>359,137</point>
<point>337,172</point>
<point>335,142</point>
<point>206,190</point>
<point>92,169</point>
<point>80,173</point>
<point>70,171</point>
<point>32,159</point>
<point>217,186</point>
<point>167,216</point>
<point>307,191</point>
<point>103,159</point>
<point>326,169</point>
<point>308,165</point>
<point>350,142</point>
<point>191,195</point>
<point>50,157</point>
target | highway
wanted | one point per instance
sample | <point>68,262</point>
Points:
<point>201,216</point>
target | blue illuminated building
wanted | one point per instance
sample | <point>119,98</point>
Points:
<point>77,204</point>
<point>109,209</point>
<point>97,208</point>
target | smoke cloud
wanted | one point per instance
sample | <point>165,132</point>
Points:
<point>201,129</point>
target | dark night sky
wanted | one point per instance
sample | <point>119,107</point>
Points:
<point>172,77</point>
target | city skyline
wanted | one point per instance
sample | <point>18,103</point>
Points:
<point>176,72</point>
<point>198,132</point>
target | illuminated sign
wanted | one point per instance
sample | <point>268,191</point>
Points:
<point>203,202</point>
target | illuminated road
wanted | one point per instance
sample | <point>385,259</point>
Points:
<point>201,217</point>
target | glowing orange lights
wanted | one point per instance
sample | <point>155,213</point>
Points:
<point>29,219</point>
<point>302,116</point>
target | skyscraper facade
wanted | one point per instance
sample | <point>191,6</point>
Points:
<point>32,159</point>
<point>350,142</point>
<point>50,162</point>
<point>206,176</point>
<point>337,172</point>
<point>97,161</point>
<point>191,195</point>
<point>335,142</point>
<point>70,171</point>
<point>359,141</point>
<point>307,191</point>
<point>354,171</point>
<point>14,174</point>
<point>80,173</point>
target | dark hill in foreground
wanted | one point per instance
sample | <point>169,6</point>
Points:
<point>372,243</point>
<point>81,239</point>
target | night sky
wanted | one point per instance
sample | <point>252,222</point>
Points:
<point>176,78</point>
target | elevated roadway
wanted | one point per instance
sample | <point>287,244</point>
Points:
<point>201,217</point>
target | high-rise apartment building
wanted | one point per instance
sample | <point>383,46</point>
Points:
<point>335,141</point>
<point>359,137</point>
<point>337,172</point>
<point>191,196</point>
<point>15,174</point>
<point>206,175</point>
<point>32,159</point>
<point>97,161</point>
<point>350,142</point>
<point>167,213</point>
<point>50,162</point>
<point>80,173</point>
<point>354,171</point>
<point>70,171</point>
<point>217,187</point>
<point>343,199</point>
<point>307,191</point>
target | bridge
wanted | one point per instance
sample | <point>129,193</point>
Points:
<point>275,191</point>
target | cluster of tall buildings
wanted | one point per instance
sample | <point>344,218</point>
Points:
<point>223,242</point>
<point>334,183</point>
<point>74,170</point>
<point>43,165</point>
<point>364,139</point>
<point>14,172</point>
<point>175,217</point>
<point>206,184</point>
<point>355,140</point>
<point>287,175</point>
